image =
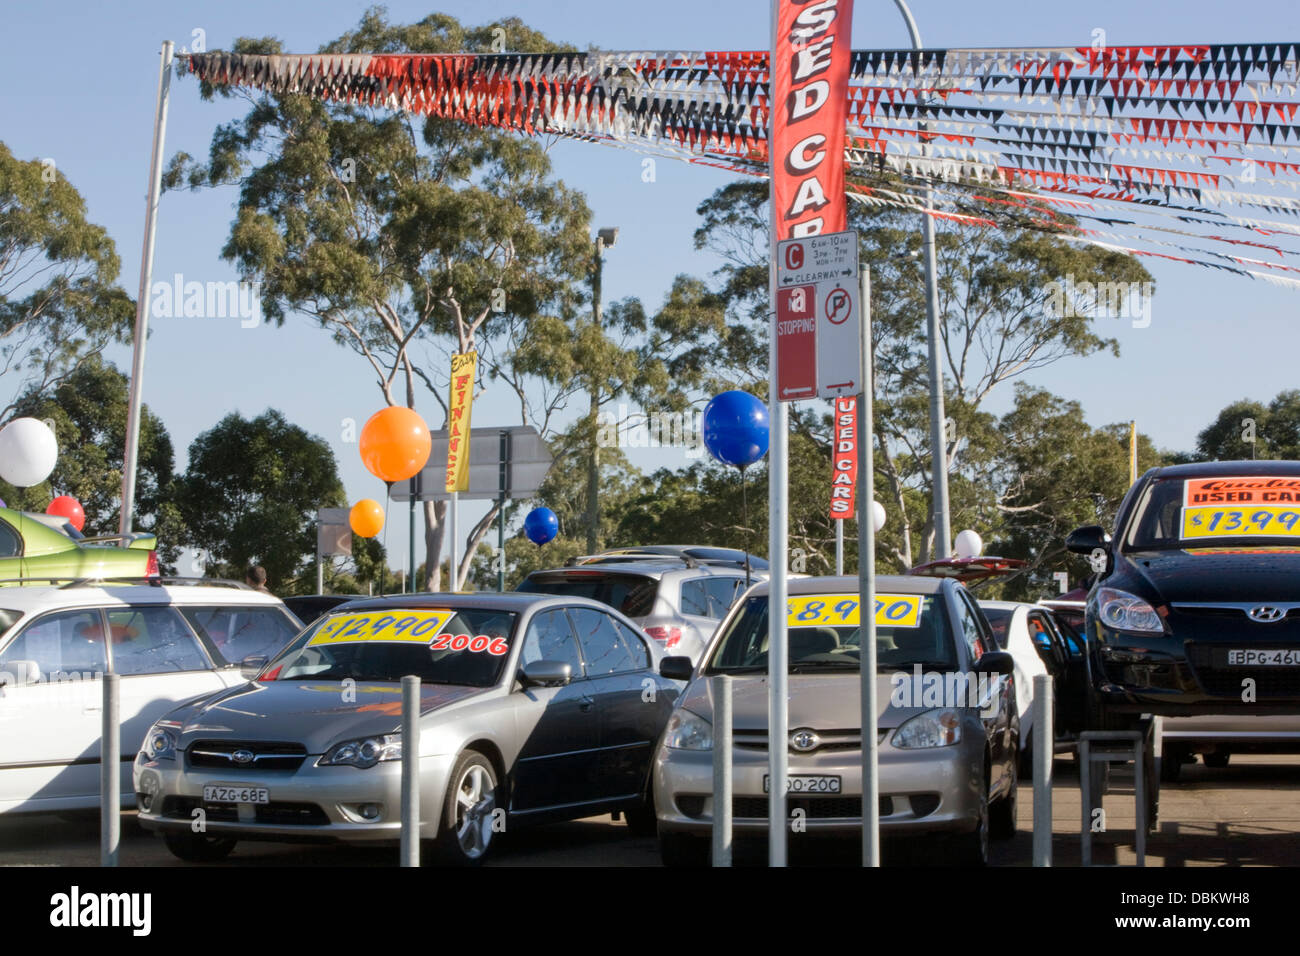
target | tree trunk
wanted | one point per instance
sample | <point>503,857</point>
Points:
<point>434,514</point>
<point>476,536</point>
<point>896,490</point>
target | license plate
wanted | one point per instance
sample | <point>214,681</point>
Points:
<point>1246,657</point>
<point>807,783</point>
<point>219,794</point>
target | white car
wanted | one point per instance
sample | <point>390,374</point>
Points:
<point>1015,626</point>
<point>169,643</point>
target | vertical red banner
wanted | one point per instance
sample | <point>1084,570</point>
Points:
<point>844,458</point>
<point>810,87</point>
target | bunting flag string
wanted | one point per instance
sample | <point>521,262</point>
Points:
<point>1151,145</point>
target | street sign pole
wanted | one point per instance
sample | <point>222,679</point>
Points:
<point>867,591</point>
<point>453,510</point>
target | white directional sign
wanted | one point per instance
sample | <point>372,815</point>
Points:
<point>817,315</point>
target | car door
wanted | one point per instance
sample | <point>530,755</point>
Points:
<point>559,726</point>
<point>51,712</point>
<point>627,701</point>
<point>998,716</point>
<point>161,663</point>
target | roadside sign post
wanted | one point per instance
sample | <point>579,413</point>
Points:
<point>867,591</point>
<point>333,536</point>
<point>410,771</point>
<point>110,769</point>
<point>720,689</point>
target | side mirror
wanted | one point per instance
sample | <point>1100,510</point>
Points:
<point>676,668</point>
<point>1088,539</point>
<point>250,667</point>
<point>997,662</point>
<point>542,673</point>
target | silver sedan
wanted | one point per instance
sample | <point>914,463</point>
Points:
<point>534,708</point>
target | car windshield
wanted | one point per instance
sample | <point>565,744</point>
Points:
<point>1216,512</point>
<point>632,594</point>
<point>911,629</point>
<point>440,645</point>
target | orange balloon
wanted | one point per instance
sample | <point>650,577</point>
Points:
<point>366,518</point>
<point>395,443</point>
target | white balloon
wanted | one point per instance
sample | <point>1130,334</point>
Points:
<point>877,515</point>
<point>28,451</point>
<point>968,544</point>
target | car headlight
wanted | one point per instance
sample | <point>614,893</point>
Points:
<point>160,743</point>
<point>364,752</point>
<point>688,731</point>
<point>1127,612</point>
<point>934,728</point>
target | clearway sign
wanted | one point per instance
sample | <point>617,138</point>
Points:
<point>817,317</point>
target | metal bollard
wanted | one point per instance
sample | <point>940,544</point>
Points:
<point>110,774</point>
<point>1044,753</point>
<point>410,771</point>
<point>722,788</point>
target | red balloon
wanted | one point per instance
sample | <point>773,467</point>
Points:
<point>66,506</point>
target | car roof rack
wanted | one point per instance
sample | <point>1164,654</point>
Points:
<point>640,557</point>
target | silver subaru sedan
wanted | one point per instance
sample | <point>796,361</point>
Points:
<point>948,726</point>
<point>534,708</point>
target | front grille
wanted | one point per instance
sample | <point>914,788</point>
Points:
<point>831,741</point>
<point>814,808</point>
<point>267,755</point>
<point>278,813</point>
<point>1270,682</point>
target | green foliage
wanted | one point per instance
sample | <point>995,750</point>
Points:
<point>88,409</point>
<point>59,301</point>
<point>1248,429</point>
<point>250,496</point>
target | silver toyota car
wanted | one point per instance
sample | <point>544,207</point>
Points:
<point>947,721</point>
<point>534,708</point>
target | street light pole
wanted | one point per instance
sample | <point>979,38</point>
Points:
<point>605,239</point>
<point>938,440</point>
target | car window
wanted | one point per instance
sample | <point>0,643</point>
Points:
<point>635,643</point>
<point>971,631</point>
<point>152,640</point>
<point>722,594</point>
<point>630,594</point>
<point>550,638</point>
<point>998,618</point>
<point>602,645</point>
<point>11,545</point>
<point>60,644</point>
<point>695,599</point>
<point>239,632</point>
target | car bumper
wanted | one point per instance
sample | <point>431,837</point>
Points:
<point>310,804</point>
<point>920,791</point>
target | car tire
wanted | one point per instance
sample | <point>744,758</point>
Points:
<point>641,819</point>
<point>197,847</point>
<point>684,850</point>
<point>972,849</point>
<point>465,837</point>
<point>1218,759</point>
<point>1002,814</point>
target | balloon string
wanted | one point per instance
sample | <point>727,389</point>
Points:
<point>383,564</point>
<point>744,516</point>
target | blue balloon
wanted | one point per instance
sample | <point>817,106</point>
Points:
<point>541,525</point>
<point>736,428</point>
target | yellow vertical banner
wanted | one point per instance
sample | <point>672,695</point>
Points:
<point>459,408</point>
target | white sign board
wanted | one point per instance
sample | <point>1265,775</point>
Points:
<point>823,272</point>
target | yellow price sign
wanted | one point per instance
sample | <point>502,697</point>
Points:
<point>417,626</point>
<point>1216,521</point>
<point>817,610</point>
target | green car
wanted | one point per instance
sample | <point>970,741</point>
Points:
<point>40,546</point>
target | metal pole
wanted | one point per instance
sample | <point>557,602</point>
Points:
<point>839,546</point>
<point>503,475</point>
<point>938,441</point>
<point>593,470</point>
<point>135,397</point>
<point>455,557</point>
<point>110,774</point>
<point>777,548</point>
<point>1132,453</point>
<point>867,592</point>
<point>722,788</point>
<point>410,558</point>
<point>410,771</point>
<point>320,572</point>
<point>1044,754</point>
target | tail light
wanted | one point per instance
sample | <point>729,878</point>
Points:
<point>671,636</point>
<point>151,566</point>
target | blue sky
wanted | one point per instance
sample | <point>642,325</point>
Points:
<point>78,81</point>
